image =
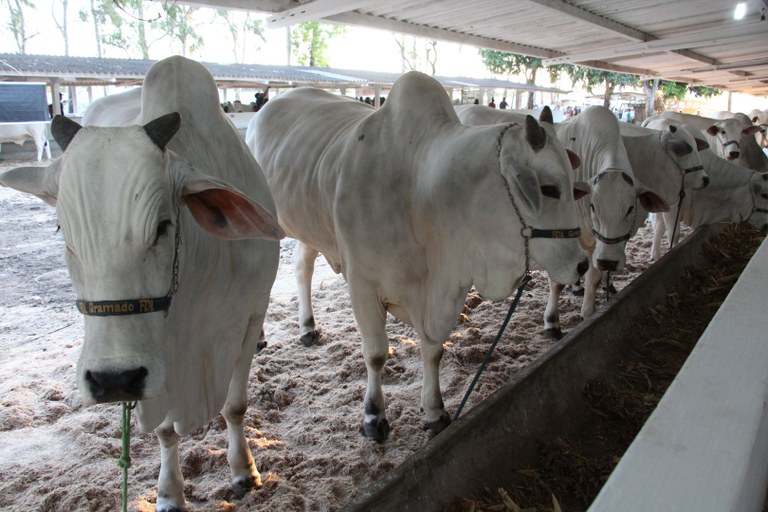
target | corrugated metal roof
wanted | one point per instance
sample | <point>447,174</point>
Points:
<point>95,71</point>
<point>695,41</point>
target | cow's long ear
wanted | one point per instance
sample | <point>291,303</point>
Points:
<point>650,200</point>
<point>64,130</point>
<point>40,181</point>
<point>162,129</point>
<point>522,180</point>
<point>546,115</point>
<point>227,213</point>
<point>574,159</point>
<point>534,134</point>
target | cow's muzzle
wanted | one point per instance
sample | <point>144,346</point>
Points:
<point>117,386</point>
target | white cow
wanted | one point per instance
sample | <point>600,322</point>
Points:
<point>476,115</point>
<point>734,194</point>
<point>737,130</point>
<point>667,158</point>
<point>414,208</point>
<point>114,109</point>
<point>760,119</point>
<point>152,212</point>
<point>723,135</point>
<point>18,133</point>
<point>752,155</point>
<point>609,217</point>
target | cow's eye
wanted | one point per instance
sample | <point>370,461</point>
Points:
<point>162,229</point>
<point>550,191</point>
<point>630,210</point>
<point>592,207</point>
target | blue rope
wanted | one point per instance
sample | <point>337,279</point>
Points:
<point>125,457</point>
<point>488,354</point>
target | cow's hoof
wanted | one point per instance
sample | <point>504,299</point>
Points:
<point>170,508</point>
<point>310,338</point>
<point>261,346</point>
<point>438,425</point>
<point>378,431</point>
<point>242,484</point>
<point>554,333</point>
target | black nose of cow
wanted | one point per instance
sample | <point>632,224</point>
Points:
<point>706,181</point>
<point>123,386</point>
<point>582,267</point>
<point>608,264</point>
<point>733,155</point>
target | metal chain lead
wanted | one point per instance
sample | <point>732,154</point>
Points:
<point>176,251</point>
<point>525,230</point>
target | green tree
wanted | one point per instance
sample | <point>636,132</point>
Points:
<point>610,81</point>
<point>102,14</point>
<point>178,23</point>
<point>62,24</point>
<point>649,88</point>
<point>505,63</point>
<point>241,26</point>
<point>309,42</point>
<point>671,90</point>
<point>135,21</point>
<point>702,91</point>
<point>678,90</point>
<point>17,24</point>
<point>412,59</point>
<point>127,28</point>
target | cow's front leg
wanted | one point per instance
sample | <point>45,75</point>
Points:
<point>242,467</point>
<point>435,416</point>
<point>552,311</point>
<point>669,221</point>
<point>657,221</point>
<point>591,281</point>
<point>371,319</point>
<point>170,484</point>
<point>304,266</point>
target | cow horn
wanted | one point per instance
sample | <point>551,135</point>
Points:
<point>546,115</point>
<point>64,130</point>
<point>162,129</point>
<point>534,134</point>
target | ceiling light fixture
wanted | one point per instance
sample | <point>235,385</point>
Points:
<point>740,11</point>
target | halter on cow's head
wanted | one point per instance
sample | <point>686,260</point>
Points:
<point>528,190</point>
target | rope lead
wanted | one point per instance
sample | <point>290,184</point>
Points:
<point>125,457</point>
<point>488,354</point>
<point>681,196</point>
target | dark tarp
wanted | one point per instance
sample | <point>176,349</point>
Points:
<point>20,102</point>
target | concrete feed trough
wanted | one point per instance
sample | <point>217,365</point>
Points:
<point>491,442</point>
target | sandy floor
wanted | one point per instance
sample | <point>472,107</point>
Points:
<point>305,403</point>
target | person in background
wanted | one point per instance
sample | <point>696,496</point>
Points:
<point>503,105</point>
<point>61,104</point>
<point>261,99</point>
<point>492,104</point>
